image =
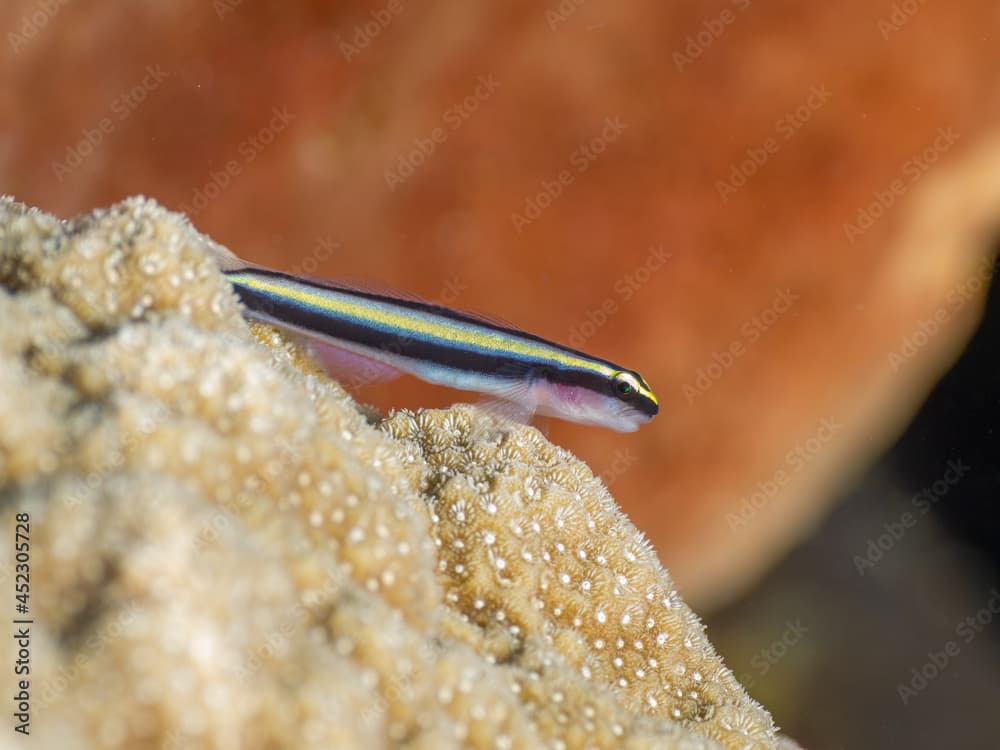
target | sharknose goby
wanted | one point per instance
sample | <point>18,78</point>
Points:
<point>352,328</point>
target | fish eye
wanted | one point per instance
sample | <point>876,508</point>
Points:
<point>624,385</point>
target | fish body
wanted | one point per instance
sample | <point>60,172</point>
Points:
<point>448,347</point>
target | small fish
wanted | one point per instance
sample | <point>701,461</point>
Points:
<point>384,335</point>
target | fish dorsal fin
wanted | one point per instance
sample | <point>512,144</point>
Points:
<point>490,320</point>
<point>365,286</point>
<point>225,258</point>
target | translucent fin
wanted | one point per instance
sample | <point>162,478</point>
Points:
<point>225,258</point>
<point>492,320</point>
<point>515,411</point>
<point>364,286</point>
<point>350,369</point>
<point>514,402</point>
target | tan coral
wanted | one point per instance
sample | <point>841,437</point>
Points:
<point>227,553</point>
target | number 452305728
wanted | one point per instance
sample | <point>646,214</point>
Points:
<point>23,557</point>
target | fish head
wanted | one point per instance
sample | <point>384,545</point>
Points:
<point>623,402</point>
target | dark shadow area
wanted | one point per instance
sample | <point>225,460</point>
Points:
<point>882,630</point>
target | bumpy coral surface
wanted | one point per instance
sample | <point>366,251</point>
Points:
<point>227,552</point>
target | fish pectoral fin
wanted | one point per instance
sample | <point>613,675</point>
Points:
<point>349,368</point>
<point>513,402</point>
<point>514,411</point>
